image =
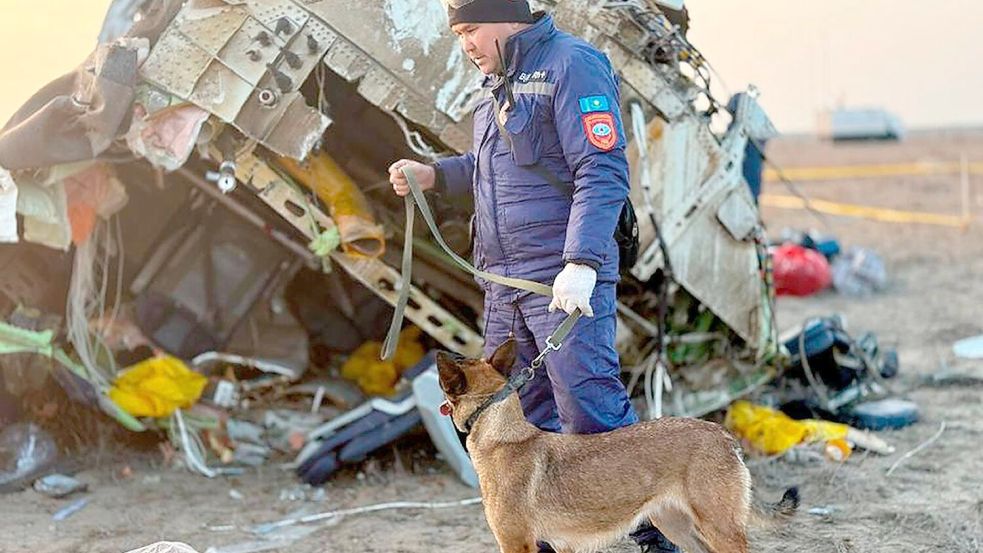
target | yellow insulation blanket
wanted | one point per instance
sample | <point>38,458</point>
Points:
<point>346,203</point>
<point>157,387</point>
<point>772,432</point>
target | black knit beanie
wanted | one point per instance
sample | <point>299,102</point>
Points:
<point>490,11</point>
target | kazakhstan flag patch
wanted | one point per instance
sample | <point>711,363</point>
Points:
<point>592,104</point>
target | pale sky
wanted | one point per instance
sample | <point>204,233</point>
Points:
<point>921,60</point>
<point>41,40</point>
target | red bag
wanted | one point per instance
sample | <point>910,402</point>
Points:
<point>799,271</point>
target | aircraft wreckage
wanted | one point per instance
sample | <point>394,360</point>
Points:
<point>211,182</point>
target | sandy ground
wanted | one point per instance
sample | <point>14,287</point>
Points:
<point>932,503</point>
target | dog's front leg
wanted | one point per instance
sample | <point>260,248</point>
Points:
<point>516,545</point>
<point>512,534</point>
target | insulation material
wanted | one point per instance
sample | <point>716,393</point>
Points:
<point>157,387</point>
<point>772,432</point>
<point>349,208</point>
<point>167,137</point>
<point>92,193</point>
<point>377,377</point>
<point>45,211</point>
<point>8,207</point>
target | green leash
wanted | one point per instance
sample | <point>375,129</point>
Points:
<point>417,199</point>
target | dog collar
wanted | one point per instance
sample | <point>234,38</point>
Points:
<point>517,380</point>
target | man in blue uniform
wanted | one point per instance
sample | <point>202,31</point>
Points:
<point>557,99</point>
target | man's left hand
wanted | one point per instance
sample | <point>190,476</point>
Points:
<point>573,289</point>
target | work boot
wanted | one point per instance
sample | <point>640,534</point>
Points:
<point>651,540</point>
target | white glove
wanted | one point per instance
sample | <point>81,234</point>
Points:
<point>573,288</point>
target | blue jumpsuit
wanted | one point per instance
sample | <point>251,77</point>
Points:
<point>566,118</point>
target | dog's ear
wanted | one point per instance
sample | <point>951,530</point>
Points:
<point>452,379</point>
<point>504,357</point>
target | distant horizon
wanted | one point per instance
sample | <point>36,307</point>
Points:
<point>968,128</point>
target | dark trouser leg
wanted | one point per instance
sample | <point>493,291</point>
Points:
<point>537,400</point>
<point>586,378</point>
<point>585,373</point>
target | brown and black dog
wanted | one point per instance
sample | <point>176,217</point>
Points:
<point>580,493</point>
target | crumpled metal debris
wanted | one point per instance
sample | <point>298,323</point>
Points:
<point>245,63</point>
<point>76,117</point>
<point>25,450</point>
<point>59,485</point>
<point>165,547</point>
<point>226,75</point>
<point>71,509</point>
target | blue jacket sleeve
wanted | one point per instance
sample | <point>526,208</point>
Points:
<point>587,114</point>
<point>454,175</point>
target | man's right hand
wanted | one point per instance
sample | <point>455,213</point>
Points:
<point>425,175</point>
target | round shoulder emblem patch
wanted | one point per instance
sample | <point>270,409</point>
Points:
<point>601,130</point>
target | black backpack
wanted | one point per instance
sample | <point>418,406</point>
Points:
<point>626,234</point>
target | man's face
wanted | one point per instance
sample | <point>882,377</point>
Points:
<point>478,42</point>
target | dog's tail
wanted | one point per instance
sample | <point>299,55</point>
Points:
<point>772,514</point>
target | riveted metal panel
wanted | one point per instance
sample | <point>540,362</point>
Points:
<point>175,64</point>
<point>308,46</point>
<point>221,92</point>
<point>284,17</point>
<point>211,32</point>
<point>245,53</point>
<point>298,130</point>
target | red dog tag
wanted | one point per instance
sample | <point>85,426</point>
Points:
<point>445,409</point>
